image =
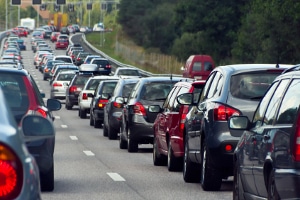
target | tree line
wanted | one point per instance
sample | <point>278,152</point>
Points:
<point>231,31</point>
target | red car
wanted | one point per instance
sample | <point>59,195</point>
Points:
<point>168,146</point>
<point>61,44</point>
<point>54,36</point>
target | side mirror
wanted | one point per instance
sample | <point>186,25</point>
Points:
<point>119,100</point>
<point>185,99</point>
<point>238,122</point>
<point>154,109</point>
<point>53,104</point>
<point>35,125</point>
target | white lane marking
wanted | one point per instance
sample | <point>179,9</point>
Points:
<point>115,176</point>
<point>88,153</point>
<point>73,137</point>
<point>64,126</point>
<point>57,117</point>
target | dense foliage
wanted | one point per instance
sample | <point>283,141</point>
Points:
<point>231,31</point>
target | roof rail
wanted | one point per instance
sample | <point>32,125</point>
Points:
<point>291,69</point>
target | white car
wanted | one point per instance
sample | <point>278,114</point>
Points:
<point>127,72</point>
<point>60,84</point>
<point>84,99</point>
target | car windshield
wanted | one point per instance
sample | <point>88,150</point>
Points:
<point>251,86</point>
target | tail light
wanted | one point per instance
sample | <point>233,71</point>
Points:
<point>117,105</point>
<point>296,152</point>
<point>108,66</point>
<point>55,84</point>
<point>183,110</point>
<point>84,96</point>
<point>46,70</point>
<point>73,89</point>
<point>139,109</point>
<point>222,112</point>
<point>102,103</point>
<point>11,173</point>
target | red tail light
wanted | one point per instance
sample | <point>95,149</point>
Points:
<point>183,110</point>
<point>139,109</point>
<point>222,112</point>
<point>55,84</point>
<point>108,66</point>
<point>84,96</point>
<point>73,89</point>
<point>102,103</point>
<point>117,105</point>
<point>11,173</point>
<point>296,152</point>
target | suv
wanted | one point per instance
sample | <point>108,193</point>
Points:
<point>137,121</point>
<point>113,109</point>
<point>24,98</point>
<point>209,145</point>
<point>168,126</point>
<point>104,66</point>
<point>267,157</point>
<point>84,101</point>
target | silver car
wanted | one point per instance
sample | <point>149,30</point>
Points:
<point>17,166</point>
<point>60,84</point>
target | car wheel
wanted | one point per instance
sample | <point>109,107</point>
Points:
<point>272,191</point>
<point>174,163</point>
<point>105,131</point>
<point>97,124</point>
<point>158,159</point>
<point>47,180</point>
<point>191,171</point>
<point>122,142</point>
<point>44,78</point>
<point>211,178</point>
<point>112,134</point>
<point>68,106</point>
<point>132,146</point>
<point>238,191</point>
<point>91,119</point>
<point>82,113</point>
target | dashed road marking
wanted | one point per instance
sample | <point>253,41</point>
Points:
<point>115,176</point>
<point>57,117</point>
<point>64,126</point>
<point>88,153</point>
<point>73,137</point>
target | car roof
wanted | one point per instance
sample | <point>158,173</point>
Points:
<point>252,67</point>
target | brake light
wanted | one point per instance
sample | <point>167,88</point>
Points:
<point>73,89</point>
<point>42,112</point>
<point>183,110</point>
<point>11,173</point>
<point>139,109</point>
<point>296,152</point>
<point>84,96</point>
<point>102,103</point>
<point>55,84</point>
<point>108,66</point>
<point>117,105</point>
<point>222,112</point>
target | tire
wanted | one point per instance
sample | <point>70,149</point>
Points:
<point>47,180</point>
<point>238,190</point>
<point>82,113</point>
<point>191,171</point>
<point>105,131</point>
<point>211,178</point>
<point>97,124</point>
<point>132,146</point>
<point>272,191</point>
<point>112,134</point>
<point>44,78</point>
<point>174,163</point>
<point>91,120</point>
<point>158,159</point>
<point>122,142</point>
<point>68,106</point>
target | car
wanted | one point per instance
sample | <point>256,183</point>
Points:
<point>60,84</point>
<point>113,109</point>
<point>80,57</point>
<point>77,83</point>
<point>103,64</point>
<point>64,30</point>
<point>127,72</point>
<point>88,58</point>
<point>18,168</point>
<point>61,44</point>
<point>23,97</point>
<point>58,67</point>
<point>168,145</point>
<point>21,44</point>
<point>137,121</point>
<point>84,101</point>
<point>266,159</point>
<point>48,67</point>
<point>100,97</point>
<point>209,145</point>
<point>53,37</point>
<point>66,59</point>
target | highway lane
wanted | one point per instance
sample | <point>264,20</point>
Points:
<point>89,166</point>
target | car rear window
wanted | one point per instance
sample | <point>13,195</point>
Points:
<point>129,72</point>
<point>81,79</point>
<point>100,62</point>
<point>109,87</point>
<point>251,86</point>
<point>67,60</point>
<point>92,84</point>
<point>65,77</point>
<point>156,91</point>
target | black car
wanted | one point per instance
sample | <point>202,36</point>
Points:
<point>24,97</point>
<point>64,30</point>
<point>113,109</point>
<point>137,121</point>
<point>209,145</point>
<point>267,157</point>
<point>99,100</point>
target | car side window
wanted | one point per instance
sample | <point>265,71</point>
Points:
<point>290,104</point>
<point>176,106</point>
<point>206,87</point>
<point>166,106</point>
<point>274,103</point>
<point>214,86</point>
<point>261,109</point>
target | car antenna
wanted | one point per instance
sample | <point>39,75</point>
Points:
<point>277,65</point>
<point>171,77</point>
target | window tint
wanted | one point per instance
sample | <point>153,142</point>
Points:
<point>127,89</point>
<point>214,90</point>
<point>100,62</point>
<point>273,104</point>
<point>197,66</point>
<point>155,91</point>
<point>170,99</point>
<point>109,87</point>
<point>206,87</point>
<point>92,84</point>
<point>67,60</point>
<point>290,104</point>
<point>81,80</point>
<point>65,77</point>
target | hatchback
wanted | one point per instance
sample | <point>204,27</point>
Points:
<point>24,97</point>
<point>53,36</point>
<point>209,145</point>
<point>103,64</point>
<point>168,126</point>
<point>267,157</point>
<point>137,121</point>
<point>60,83</point>
<point>61,44</point>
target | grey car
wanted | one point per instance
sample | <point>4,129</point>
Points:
<point>18,167</point>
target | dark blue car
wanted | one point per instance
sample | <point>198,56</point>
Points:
<point>21,44</point>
